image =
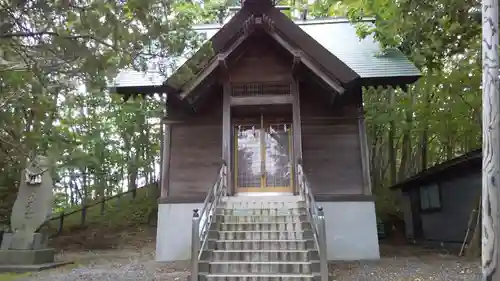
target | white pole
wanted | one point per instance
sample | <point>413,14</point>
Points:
<point>491,144</point>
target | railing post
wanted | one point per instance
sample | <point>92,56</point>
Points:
<point>195,245</point>
<point>225,179</point>
<point>300,180</point>
<point>322,244</point>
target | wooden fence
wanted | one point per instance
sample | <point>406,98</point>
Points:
<point>83,210</point>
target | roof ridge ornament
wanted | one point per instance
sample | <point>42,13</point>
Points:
<point>263,21</point>
<point>279,7</point>
<point>258,6</point>
<point>262,3</point>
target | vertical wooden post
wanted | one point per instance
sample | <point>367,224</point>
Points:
<point>162,148</point>
<point>84,214</point>
<point>165,154</point>
<point>491,149</point>
<point>61,223</point>
<point>363,145</point>
<point>365,154</point>
<point>296,130</point>
<point>226,134</point>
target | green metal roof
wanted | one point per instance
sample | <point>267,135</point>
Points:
<point>338,35</point>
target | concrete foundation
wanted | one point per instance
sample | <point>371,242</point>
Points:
<point>173,238</point>
<point>351,229</point>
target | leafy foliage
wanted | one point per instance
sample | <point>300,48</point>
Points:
<point>436,119</point>
<point>57,58</point>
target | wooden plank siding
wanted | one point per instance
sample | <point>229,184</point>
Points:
<point>262,62</point>
<point>329,132</point>
<point>330,146</point>
<point>196,151</point>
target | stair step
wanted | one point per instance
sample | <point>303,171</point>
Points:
<point>254,231</point>
<point>246,213</point>
<point>263,251</point>
<point>262,222</point>
<point>265,234</point>
<point>258,226</point>
<point>261,245</point>
<point>255,208</point>
<point>260,211</point>
<point>261,204</point>
<point>260,240</point>
<point>281,198</point>
<point>297,267</point>
<point>260,218</point>
<point>285,255</point>
<point>262,262</point>
<point>259,277</point>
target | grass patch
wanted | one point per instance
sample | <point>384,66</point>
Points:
<point>120,212</point>
<point>12,276</point>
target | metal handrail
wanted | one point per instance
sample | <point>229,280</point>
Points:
<point>203,220</point>
<point>317,217</point>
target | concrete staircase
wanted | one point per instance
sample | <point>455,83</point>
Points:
<point>259,239</point>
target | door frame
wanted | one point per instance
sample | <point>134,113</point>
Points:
<point>262,127</point>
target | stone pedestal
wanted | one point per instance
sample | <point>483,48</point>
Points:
<point>24,249</point>
<point>37,257</point>
<point>26,257</point>
<point>37,241</point>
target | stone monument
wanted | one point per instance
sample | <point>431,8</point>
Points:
<point>22,249</point>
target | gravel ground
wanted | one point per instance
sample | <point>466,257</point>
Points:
<point>133,264</point>
<point>425,268</point>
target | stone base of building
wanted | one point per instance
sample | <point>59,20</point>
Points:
<point>351,228</point>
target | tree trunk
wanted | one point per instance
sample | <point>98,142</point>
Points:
<point>406,145</point>
<point>424,148</point>
<point>392,132</point>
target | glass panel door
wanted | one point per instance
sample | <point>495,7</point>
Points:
<point>263,157</point>
<point>278,160</point>
<point>248,160</point>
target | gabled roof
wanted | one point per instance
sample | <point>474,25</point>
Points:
<point>334,40</point>
<point>262,16</point>
<point>468,162</point>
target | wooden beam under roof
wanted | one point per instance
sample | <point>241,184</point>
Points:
<point>309,63</point>
<point>296,63</point>
<point>211,67</point>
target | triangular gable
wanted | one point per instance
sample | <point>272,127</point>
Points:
<point>228,38</point>
<point>214,46</point>
<point>315,50</point>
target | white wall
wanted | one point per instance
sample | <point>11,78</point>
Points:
<point>351,230</point>
<point>173,237</point>
<point>350,226</point>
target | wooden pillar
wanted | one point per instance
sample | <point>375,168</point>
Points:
<point>491,144</point>
<point>165,154</point>
<point>297,130</point>
<point>365,153</point>
<point>226,134</point>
